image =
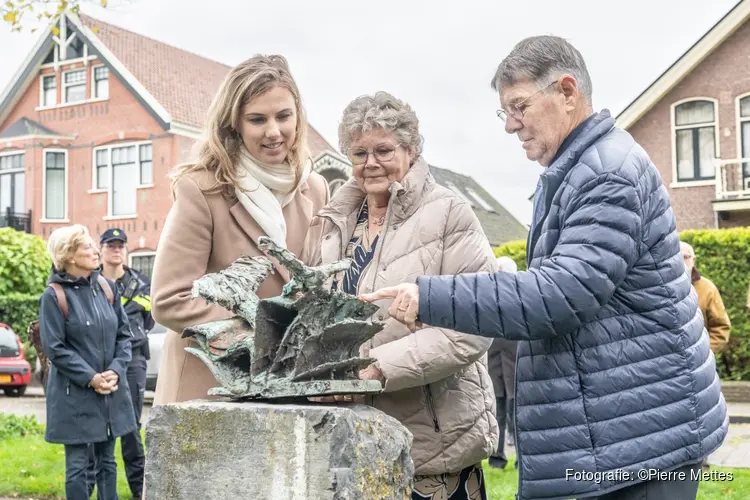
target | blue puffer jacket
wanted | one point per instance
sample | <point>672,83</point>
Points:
<point>615,371</point>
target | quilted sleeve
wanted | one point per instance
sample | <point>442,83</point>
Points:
<point>597,245</point>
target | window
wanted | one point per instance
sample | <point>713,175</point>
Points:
<point>480,200</point>
<point>334,185</point>
<point>146,172</point>
<point>143,262</point>
<point>744,127</point>
<point>124,181</point>
<point>695,140</point>
<point>12,184</point>
<point>102,169</point>
<point>74,49</point>
<point>121,170</point>
<point>49,90</point>
<point>101,82</point>
<point>74,86</point>
<point>54,185</point>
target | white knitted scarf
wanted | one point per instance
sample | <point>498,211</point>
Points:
<point>265,190</point>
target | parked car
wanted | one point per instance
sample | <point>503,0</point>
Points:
<point>15,371</point>
<point>155,344</point>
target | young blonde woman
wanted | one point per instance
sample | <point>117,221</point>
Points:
<point>253,178</point>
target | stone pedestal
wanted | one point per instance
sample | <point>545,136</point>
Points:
<point>257,451</point>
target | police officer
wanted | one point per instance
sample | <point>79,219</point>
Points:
<point>135,289</point>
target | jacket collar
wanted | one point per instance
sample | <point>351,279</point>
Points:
<point>552,178</point>
<point>406,196</point>
<point>62,277</point>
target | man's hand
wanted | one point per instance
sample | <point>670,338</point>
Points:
<point>405,305</point>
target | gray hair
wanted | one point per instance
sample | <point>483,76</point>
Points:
<point>541,59</point>
<point>380,110</point>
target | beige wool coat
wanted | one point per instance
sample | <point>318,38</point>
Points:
<point>204,233</point>
<point>437,383</point>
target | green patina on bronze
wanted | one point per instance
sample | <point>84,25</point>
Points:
<point>304,342</point>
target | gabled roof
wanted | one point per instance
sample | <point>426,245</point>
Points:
<point>24,127</point>
<point>175,86</point>
<point>732,21</point>
<point>499,225</point>
<point>182,82</point>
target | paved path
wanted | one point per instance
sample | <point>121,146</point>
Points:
<point>735,452</point>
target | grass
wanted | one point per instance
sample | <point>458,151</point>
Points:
<point>32,468</point>
<point>502,484</point>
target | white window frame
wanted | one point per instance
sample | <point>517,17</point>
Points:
<point>14,171</point>
<point>141,253</point>
<point>739,120</point>
<point>92,96</point>
<point>42,105</point>
<point>481,201</point>
<point>44,218</point>
<point>673,132</point>
<point>109,148</point>
<point>64,86</point>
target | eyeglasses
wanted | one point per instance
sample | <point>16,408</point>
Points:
<point>519,109</point>
<point>381,152</point>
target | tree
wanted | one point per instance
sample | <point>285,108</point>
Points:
<point>14,12</point>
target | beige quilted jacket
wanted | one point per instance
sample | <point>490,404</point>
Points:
<point>437,383</point>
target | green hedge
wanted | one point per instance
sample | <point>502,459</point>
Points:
<point>723,256</point>
<point>17,310</point>
<point>516,250</point>
<point>24,268</point>
<point>24,262</point>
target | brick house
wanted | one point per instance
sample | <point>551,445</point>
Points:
<point>97,116</point>
<point>694,122</point>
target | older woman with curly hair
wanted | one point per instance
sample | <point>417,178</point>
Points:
<point>396,223</point>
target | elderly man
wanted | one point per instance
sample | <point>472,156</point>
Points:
<point>709,302</point>
<point>617,393</point>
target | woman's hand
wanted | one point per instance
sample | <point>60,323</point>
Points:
<point>372,372</point>
<point>101,385</point>
<point>405,305</point>
<point>112,377</point>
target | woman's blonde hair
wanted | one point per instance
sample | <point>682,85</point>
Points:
<point>63,243</point>
<point>219,151</point>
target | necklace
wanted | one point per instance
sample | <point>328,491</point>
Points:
<point>377,221</point>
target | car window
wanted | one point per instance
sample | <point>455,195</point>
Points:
<point>8,343</point>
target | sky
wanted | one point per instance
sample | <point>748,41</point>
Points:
<point>438,57</point>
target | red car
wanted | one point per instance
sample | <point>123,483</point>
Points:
<point>15,371</point>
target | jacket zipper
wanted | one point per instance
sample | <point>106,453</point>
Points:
<point>104,358</point>
<point>431,407</point>
<point>67,387</point>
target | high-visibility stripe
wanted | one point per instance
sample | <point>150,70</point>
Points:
<point>142,300</point>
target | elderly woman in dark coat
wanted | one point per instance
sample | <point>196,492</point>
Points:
<point>85,334</point>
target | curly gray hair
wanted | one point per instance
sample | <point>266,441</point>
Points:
<point>380,110</point>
